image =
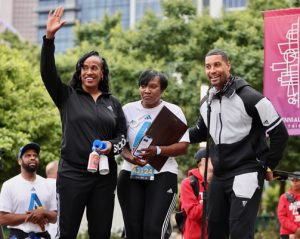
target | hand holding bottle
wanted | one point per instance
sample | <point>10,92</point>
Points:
<point>100,148</point>
<point>103,147</point>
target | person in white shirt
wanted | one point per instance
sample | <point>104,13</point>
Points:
<point>51,173</point>
<point>148,197</point>
<point>27,204</point>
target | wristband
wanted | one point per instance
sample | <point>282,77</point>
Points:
<point>158,150</point>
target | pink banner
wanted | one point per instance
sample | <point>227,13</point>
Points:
<point>282,64</point>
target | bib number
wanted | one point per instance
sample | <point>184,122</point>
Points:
<point>142,173</point>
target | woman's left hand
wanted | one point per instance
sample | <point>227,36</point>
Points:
<point>149,152</point>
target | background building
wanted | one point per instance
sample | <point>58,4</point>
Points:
<point>19,17</point>
<point>29,17</point>
<point>86,11</point>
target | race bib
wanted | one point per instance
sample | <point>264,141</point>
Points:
<point>142,173</point>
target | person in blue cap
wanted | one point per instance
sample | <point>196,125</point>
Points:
<point>27,205</point>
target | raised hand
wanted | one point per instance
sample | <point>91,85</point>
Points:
<point>54,22</point>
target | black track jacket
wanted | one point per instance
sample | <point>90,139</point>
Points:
<point>240,119</point>
<point>83,119</point>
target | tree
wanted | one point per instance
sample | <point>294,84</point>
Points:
<point>26,111</point>
<point>258,6</point>
<point>97,32</point>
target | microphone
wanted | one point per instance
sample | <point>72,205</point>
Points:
<point>211,93</point>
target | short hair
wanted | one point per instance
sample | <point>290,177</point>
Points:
<point>51,168</point>
<point>218,52</point>
<point>149,75</point>
<point>76,79</point>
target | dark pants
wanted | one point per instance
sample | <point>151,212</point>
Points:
<point>284,236</point>
<point>231,214</point>
<point>147,205</point>
<point>78,189</point>
<point>19,234</point>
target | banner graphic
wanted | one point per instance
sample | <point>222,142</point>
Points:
<point>282,64</point>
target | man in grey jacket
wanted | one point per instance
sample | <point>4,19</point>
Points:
<point>240,119</point>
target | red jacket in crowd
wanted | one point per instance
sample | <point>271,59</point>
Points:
<point>193,207</point>
<point>289,217</point>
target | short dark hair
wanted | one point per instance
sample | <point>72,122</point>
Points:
<point>76,80</point>
<point>218,52</point>
<point>148,75</point>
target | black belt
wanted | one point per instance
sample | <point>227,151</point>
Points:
<point>19,234</point>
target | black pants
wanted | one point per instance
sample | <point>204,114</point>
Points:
<point>78,189</point>
<point>147,205</point>
<point>19,234</point>
<point>284,236</point>
<point>229,214</point>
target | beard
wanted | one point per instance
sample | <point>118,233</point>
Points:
<point>29,168</point>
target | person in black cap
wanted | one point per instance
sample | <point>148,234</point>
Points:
<point>27,204</point>
<point>192,205</point>
<point>28,146</point>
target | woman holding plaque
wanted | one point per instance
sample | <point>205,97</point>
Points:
<point>147,197</point>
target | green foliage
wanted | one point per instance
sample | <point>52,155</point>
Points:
<point>270,230</point>
<point>270,199</point>
<point>258,6</point>
<point>291,155</point>
<point>26,111</point>
<point>179,8</point>
<point>29,51</point>
<point>96,32</point>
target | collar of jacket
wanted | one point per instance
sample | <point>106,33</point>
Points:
<point>80,90</point>
<point>236,85</point>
